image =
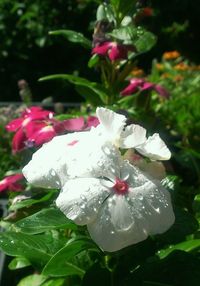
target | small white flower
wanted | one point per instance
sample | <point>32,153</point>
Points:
<point>112,128</point>
<point>122,208</point>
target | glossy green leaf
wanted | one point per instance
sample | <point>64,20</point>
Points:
<point>98,89</point>
<point>105,12</point>
<point>29,202</point>
<point>136,36</point>
<point>187,246</point>
<point>61,263</point>
<point>74,37</point>
<point>145,42</point>
<point>32,280</point>
<point>46,219</point>
<point>19,244</point>
<point>18,262</point>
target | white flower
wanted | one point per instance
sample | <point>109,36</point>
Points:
<point>112,128</point>
<point>119,204</point>
<point>121,208</point>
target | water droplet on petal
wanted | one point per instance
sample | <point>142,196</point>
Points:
<point>106,150</point>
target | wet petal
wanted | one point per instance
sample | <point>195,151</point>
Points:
<point>111,122</point>
<point>154,148</point>
<point>115,223</point>
<point>132,136</point>
<point>14,124</point>
<point>45,169</point>
<point>81,199</point>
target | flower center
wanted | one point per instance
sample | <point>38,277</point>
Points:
<point>120,187</point>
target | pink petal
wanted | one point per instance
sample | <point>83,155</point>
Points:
<point>74,124</point>
<point>9,182</point>
<point>92,121</point>
<point>33,127</point>
<point>19,141</point>
<point>117,52</point>
<point>130,89</point>
<point>161,91</point>
<point>102,49</point>
<point>43,135</point>
<point>147,86</point>
<point>14,124</point>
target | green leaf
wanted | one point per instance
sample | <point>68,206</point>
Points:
<point>145,42</point>
<point>46,219</point>
<point>19,244</point>
<point>29,202</point>
<point>18,262</point>
<point>74,37</point>
<point>187,246</point>
<point>93,61</point>
<point>105,12</point>
<point>61,263</point>
<point>32,280</point>
<point>98,89</point>
<point>136,36</point>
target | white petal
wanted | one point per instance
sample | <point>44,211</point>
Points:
<point>132,136</point>
<point>45,168</point>
<point>112,123</point>
<point>114,227</point>
<point>94,159</point>
<point>154,148</point>
<point>81,199</point>
<point>149,202</point>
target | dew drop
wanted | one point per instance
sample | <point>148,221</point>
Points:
<point>112,232</point>
<point>53,173</point>
<point>106,150</point>
<point>12,241</point>
<point>83,198</point>
<point>95,210</point>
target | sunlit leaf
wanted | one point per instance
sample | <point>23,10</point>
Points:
<point>187,246</point>
<point>18,262</point>
<point>74,37</point>
<point>46,219</point>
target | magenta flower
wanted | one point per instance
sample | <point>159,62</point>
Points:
<point>139,84</point>
<point>113,50</point>
<point>11,183</point>
<point>20,125</point>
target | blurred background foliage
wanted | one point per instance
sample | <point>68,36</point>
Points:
<point>28,52</point>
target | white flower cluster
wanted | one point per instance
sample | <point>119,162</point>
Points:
<point>120,204</point>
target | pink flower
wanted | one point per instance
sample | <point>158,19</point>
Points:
<point>20,125</point>
<point>139,84</point>
<point>113,50</point>
<point>11,183</point>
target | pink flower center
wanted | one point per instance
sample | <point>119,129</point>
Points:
<point>120,187</point>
